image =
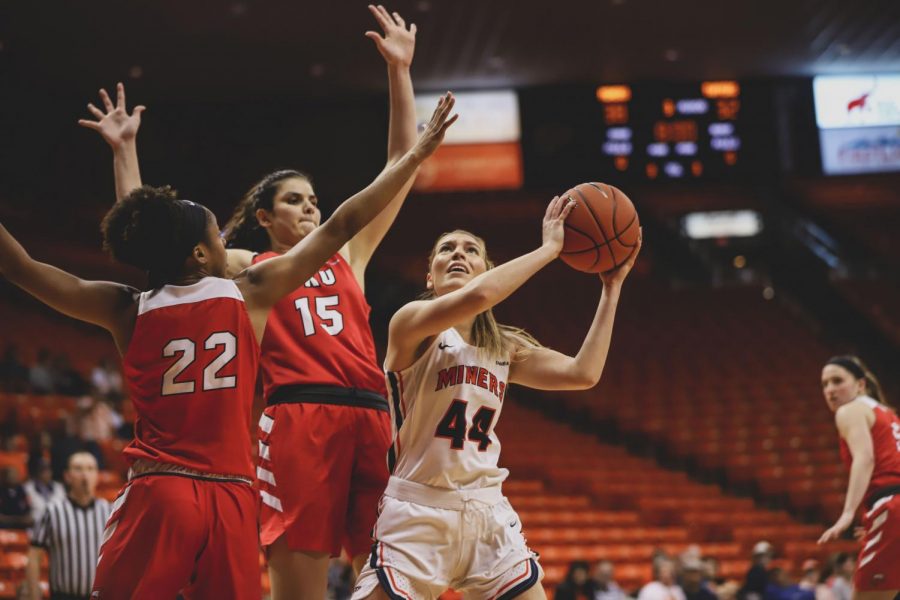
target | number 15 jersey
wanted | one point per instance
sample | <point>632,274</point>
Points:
<point>319,334</point>
<point>443,410</point>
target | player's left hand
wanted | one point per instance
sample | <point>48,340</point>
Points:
<point>617,276</point>
<point>840,526</point>
<point>399,42</point>
<point>115,125</point>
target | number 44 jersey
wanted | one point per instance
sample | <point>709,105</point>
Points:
<point>444,408</point>
<point>319,334</point>
<point>191,370</point>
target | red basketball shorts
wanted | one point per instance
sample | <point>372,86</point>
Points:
<point>878,566</point>
<point>176,533</point>
<point>322,470</point>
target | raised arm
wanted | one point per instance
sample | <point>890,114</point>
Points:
<point>119,130</point>
<point>102,303</point>
<point>397,46</point>
<point>546,369</point>
<point>267,282</point>
<point>853,424</point>
<point>420,320</point>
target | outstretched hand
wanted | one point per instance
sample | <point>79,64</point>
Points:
<point>398,43</point>
<point>434,131</point>
<point>617,276</point>
<point>115,125</point>
<point>553,227</point>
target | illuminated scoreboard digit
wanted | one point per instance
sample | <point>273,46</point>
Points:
<point>672,131</point>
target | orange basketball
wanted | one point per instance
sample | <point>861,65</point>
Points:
<point>602,230</point>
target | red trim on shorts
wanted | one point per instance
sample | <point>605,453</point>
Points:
<point>396,589</point>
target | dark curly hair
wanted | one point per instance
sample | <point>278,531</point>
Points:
<point>243,229</point>
<point>153,230</point>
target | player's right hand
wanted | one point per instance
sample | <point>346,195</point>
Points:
<point>115,125</point>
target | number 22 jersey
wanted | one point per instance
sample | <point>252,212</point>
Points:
<point>191,370</point>
<point>443,411</point>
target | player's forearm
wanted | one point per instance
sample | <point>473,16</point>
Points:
<point>494,286</point>
<point>588,364</point>
<point>402,132</point>
<point>860,475</point>
<point>14,260</point>
<point>126,168</point>
<point>357,212</point>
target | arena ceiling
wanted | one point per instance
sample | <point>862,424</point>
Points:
<point>241,48</point>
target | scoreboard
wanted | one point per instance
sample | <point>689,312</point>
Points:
<point>671,131</point>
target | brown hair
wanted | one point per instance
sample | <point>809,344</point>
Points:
<point>243,229</point>
<point>486,333</point>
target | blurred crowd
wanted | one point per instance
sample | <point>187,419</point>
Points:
<point>692,576</point>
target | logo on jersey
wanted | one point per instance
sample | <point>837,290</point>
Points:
<point>443,346</point>
<point>471,375</point>
<point>502,363</point>
<point>325,277</point>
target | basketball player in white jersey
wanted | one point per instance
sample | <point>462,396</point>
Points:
<point>443,519</point>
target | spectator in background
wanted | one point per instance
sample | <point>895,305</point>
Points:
<point>842,583</point>
<point>13,372</point>
<point>40,376</point>
<point>663,586</point>
<point>778,586</point>
<point>812,582</point>
<point>605,586</point>
<point>66,380</point>
<point>15,513</point>
<point>757,580</point>
<point>340,579</point>
<point>692,580</point>
<point>41,489</point>
<point>94,420</point>
<point>577,585</point>
<point>107,380</point>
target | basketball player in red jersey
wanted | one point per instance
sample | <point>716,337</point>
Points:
<point>870,446</point>
<point>322,467</point>
<point>443,519</point>
<point>187,519</point>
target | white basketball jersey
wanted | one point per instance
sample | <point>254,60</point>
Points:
<point>443,410</point>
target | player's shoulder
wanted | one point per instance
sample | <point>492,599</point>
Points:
<point>853,412</point>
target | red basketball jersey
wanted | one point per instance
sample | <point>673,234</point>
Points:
<point>886,443</point>
<point>191,369</point>
<point>319,334</point>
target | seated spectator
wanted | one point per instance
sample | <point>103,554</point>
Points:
<point>41,489</point>
<point>577,585</point>
<point>663,586</point>
<point>67,380</point>
<point>778,586</point>
<point>340,579</point>
<point>605,586</point>
<point>40,376</point>
<point>842,582</point>
<point>757,579</point>
<point>812,581</point>
<point>692,580</point>
<point>94,420</point>
<point>107,380</point>
<point>15,513</point>
<point>13,372</point>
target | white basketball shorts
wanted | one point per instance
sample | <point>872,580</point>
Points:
<point>428,540</point>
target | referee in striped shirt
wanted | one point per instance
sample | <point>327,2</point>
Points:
<point>71,530</point>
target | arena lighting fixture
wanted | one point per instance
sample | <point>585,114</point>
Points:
<point>610,94</point>
<point>721,224</point>
<point>720,89</point>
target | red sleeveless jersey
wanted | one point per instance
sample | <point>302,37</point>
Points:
<point>886,443</point>
<point>319,334</point>
<point>191,370</point>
